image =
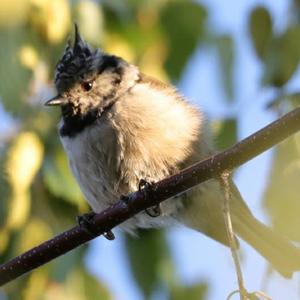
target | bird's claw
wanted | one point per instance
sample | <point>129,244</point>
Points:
<point>144,185</point>
<point>124,198</point>
<point>154,211</point>
<point>85,221</point>
<point>109,235</point>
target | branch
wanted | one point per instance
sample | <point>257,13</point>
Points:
<point>230,234</point>
<point>160,191</point>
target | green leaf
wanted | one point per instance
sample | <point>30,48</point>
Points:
<point>282,61</point>
<point>281,197</point>
<point>183,23</point>
<point>59,180</point>
<point>225,48</point>
<point>293,98</point>
<point>261,30</point>
<point>194,292</point>
<point>5,191</point>
<point>94,288</point>
<point>227,134</point>
<point>146,254</point>
<point>63,265</point>
<point>81,285</point>
<point>14,78</point>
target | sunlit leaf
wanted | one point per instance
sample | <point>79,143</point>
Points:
<point>80,285</point>
<point>36,285</point>
<point>183,24</point>
<point>24,160</point>
<point>151,62</point>
<point>51,18</point>
<point>34,233</point>
<point>119,46</point>
<point>28,57</point>
<point>90,20</point>
<point>13,12</point>
<point>19,209</point>
<point>261,30</point>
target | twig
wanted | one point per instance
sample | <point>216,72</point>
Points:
<point>244,294</point>
<point>230,233</point>
<point>251,296</point>
<point>160,191</point>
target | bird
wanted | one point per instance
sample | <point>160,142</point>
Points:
<point>120,126</point>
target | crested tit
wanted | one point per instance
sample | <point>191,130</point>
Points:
<point>120,126</point>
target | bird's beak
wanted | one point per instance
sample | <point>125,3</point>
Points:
<point>55,101</point>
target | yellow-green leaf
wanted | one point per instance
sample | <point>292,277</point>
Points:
<point>24,160</point>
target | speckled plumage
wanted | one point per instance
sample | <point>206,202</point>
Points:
<point>120,126</point>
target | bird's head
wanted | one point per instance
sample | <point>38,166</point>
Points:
<point>88,81</point>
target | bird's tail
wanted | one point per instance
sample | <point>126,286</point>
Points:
<point>203,212</point>
<point>278,250</point>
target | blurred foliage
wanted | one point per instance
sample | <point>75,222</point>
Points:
<point>225,46</point>
<point>142,259</point>
<point>280,52</point>
<point>149,251</point>
<point>55,172</point>
<point>181,29</point>
<point>226,133</point>
<point>261,30</point>
<point>39,196</point>
<point>280,55</point>
<point>283,203</point>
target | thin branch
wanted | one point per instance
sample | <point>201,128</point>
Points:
<point>230,233</point>
<point>160,191</point>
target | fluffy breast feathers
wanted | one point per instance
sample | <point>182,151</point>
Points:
<point>157,130</point>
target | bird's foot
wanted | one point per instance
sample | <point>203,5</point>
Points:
<point>154,211</point>
<point>85,221</point>
<point>109,235</point>
<point>145,185</point>
<point>124,198</point>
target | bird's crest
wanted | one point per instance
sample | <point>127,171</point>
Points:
<point>75,62</point>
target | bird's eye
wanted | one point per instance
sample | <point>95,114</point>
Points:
<point>87,86</point>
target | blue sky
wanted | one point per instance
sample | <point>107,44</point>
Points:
<point>207,259</point>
